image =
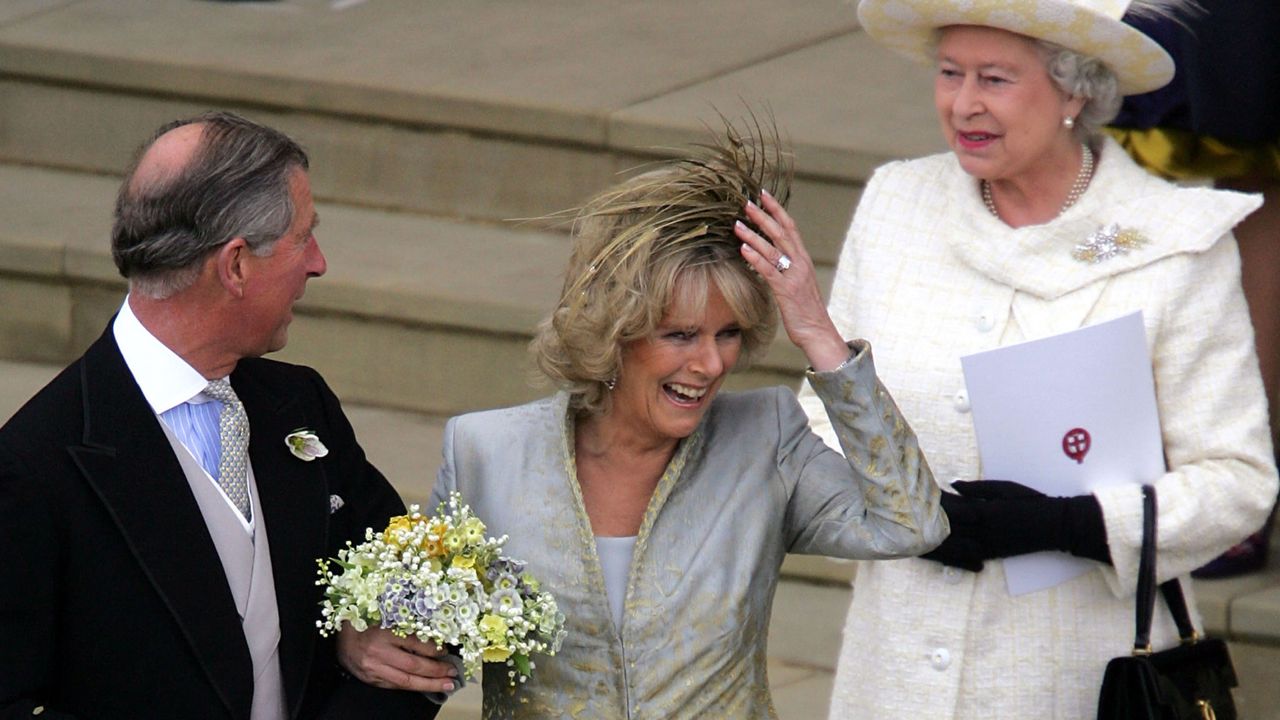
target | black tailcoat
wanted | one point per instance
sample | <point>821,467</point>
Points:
<point>113,602</point>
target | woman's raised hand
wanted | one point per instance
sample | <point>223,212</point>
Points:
<point>785,265</point>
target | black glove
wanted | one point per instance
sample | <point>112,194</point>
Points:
<point>962,548</point>
<point>996,518</point>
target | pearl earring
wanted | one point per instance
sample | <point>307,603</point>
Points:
<point>611,383</point>
<point>1068,122</point>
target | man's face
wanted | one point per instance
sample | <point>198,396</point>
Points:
<point>276,281</point>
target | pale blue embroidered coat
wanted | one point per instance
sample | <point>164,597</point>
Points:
<point>751,484</point>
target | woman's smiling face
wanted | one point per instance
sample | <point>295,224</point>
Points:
<point>1000,111</point>
<point>669,378</point>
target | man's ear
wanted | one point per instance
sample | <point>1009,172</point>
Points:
<point>230,263</point>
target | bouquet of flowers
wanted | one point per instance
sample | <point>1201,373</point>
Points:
<point>440,579</point>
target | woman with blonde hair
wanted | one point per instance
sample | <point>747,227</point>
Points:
<point>1033,225</point>
<point>655,507</point>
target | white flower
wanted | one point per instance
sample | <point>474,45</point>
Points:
<point>468,612</point>
<point>305,445</point>
<point>438,578</point>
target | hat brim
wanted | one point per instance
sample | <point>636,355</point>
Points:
<point>908,27</point>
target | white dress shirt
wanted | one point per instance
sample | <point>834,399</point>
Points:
<point>175,392</point>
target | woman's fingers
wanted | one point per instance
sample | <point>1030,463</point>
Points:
<point>780,249</point>
<point>779,214</point>
<point>774,234</point>
<point>761,255</point>
<point>788,269</point>
<point>777,224</point>
<point>758,262</point>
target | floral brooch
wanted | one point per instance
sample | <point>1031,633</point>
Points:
<point>1107,242</point>
<point>305,445</point>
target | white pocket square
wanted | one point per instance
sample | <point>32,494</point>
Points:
<point>335,502</point>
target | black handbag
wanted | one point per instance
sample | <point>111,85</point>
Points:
<point>1190,682</point>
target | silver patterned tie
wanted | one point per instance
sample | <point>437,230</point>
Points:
<point>233,432</point>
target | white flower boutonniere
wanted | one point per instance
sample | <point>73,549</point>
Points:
<point>305,445</point>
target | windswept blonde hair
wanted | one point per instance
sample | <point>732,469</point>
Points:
<point>659,238</point>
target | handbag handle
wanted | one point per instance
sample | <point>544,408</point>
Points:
<point>1171,590</point>
<point>1146,602</point>
<point>1173,597</point>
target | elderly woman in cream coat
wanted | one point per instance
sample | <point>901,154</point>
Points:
<point>655,508</point>
<point>1035,225</point>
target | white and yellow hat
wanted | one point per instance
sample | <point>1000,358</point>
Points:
<point>1090,27</point>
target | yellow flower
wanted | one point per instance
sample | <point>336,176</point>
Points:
<point>453,541</point>
<point>473,530</point>
<point>433,548</point>
<point>433,538</point>
<point>494,628</point>
<point>398,524</point>
<point>495,654</point>
<point>463,561</point>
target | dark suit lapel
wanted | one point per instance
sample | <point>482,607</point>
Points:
<point>294,499</point>
<point>130,464</point>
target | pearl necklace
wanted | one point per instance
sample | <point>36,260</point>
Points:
<point>1077,188</point>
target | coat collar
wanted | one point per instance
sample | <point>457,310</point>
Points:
<point>1038,259</point>
<point>128,461</point>
<point>131,466</point>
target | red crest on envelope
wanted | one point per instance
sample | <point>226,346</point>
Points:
<point>1076,444</point>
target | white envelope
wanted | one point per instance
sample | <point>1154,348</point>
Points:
<point>1065,415</point>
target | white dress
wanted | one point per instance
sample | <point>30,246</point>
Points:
<point>928,275</point>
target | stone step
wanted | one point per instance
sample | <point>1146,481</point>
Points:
<point>416,312</point>
<point>425,139</point>
<point>411,105</point>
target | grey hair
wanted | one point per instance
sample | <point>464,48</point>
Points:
<point>1088,77</point>
<point>1085,77</point>
<point>236,184</point>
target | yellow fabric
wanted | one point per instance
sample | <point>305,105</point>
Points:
<point>1182,155</point>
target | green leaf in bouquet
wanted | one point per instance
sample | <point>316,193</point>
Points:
<point>521,662</point>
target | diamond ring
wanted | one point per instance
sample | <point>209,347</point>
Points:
<point>783,263</point>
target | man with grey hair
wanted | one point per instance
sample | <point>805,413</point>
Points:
<point>160,534</point>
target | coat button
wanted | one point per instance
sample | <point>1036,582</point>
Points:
<point>985,321</point>
<point>940,659</point>
<point>951,576</point>
<point>961,402</point>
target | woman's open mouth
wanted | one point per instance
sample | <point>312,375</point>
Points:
<point>684,394</point>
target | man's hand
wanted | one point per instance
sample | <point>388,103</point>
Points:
<point>378,658</point>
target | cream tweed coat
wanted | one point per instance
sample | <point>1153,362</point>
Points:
<point>928,275</point>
